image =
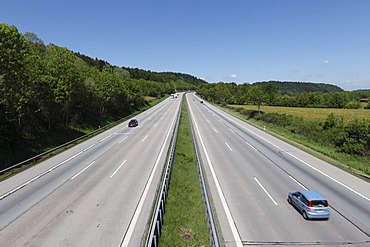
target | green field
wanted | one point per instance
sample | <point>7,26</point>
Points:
<point>312,113</point>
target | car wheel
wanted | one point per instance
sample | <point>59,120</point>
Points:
<point>304,214</point>
<point>290,200</point>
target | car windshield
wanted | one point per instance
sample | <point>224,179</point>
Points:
<point>319,203</point>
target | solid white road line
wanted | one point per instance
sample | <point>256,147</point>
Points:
<point>111,176</point>
<point>52,169</point>
<point>82,170</point>
<point>295,157</point>
<point>40,175</point>
<point>215,130</point>
<point>139,207</point>
<point>272,199</point>
<point>229,217</point>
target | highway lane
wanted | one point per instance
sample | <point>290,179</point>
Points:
<point>250,174</point>
<point>98,193</point>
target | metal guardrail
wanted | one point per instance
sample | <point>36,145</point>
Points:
<point>157,219</point>
<point>214,239</point>
<point>37,157</point>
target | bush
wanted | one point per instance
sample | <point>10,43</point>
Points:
<point>353,138</point>
<point>250,113</point>
<point>334,136</point>
<point>278,119</point>
<point>310,129</point>
<point>352,146</point>
<point>353,105</point>
<point>238,109</point>
<point>358,138</point>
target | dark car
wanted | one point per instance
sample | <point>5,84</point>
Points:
<point>311,204</point>
<point>133,123</point>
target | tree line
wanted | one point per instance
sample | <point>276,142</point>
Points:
<point>350,138</point>
<point>46,88</point>
<point>273,94</point>
<point>180,81</point>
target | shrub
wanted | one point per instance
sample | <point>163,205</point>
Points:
<point>334,136</point>
<point>282,120</point>
<point>238,109</point>
<point>357,138</point>
<point>310,129</point>
<point>251,113</point>
<point>353,105</point>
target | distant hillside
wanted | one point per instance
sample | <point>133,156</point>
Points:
<point>294,88</point>
<point>136,73</point>
<point>163,76</point>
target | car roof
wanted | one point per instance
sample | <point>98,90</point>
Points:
<point>312,195</point>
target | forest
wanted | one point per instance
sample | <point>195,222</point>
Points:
<point>49,94</point>
<point>46,89</point>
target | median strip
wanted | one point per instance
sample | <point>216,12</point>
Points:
<point>184,220</point>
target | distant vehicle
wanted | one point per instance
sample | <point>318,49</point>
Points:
<point>311,204</point>
<point>133,123</point>
<point>201,101</point>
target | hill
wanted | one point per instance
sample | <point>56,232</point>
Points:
<point>136,73</point>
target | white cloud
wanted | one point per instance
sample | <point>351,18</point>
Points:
<point>228,78</point>
<point>326,62</point>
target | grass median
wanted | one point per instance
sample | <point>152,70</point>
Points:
<point>184,219</point>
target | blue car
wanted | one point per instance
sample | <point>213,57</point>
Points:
<point>311,204</point>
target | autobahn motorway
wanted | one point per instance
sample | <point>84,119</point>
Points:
<point>98,193</point>
<point>250,174</point>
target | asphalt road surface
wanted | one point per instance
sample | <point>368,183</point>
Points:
<point>98,193</point>
<point>250,173</point>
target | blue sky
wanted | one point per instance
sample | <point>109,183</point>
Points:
<point>231,41</point>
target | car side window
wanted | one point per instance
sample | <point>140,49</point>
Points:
<point>296,194</point>
<point>304,200</point>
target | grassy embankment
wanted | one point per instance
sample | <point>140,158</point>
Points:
<point>25,148</point>
<point>347,162</point>
<point>184,220</point>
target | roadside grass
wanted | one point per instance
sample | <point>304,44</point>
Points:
<point>356,165</point>
<point>348,115</point>
<point>184,220</point>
